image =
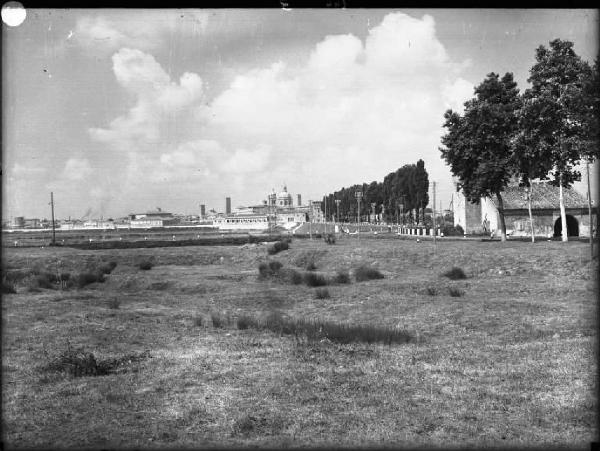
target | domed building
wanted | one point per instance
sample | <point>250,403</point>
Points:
<point>282,199</point>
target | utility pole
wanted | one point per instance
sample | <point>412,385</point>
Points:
<point>373,210</point>
<point>53,229</point>
<point>337,204</point>
<point>433,212</point>
<point>587,167</point>
<point>358,195</point>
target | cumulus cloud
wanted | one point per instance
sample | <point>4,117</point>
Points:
<point>354,112</point>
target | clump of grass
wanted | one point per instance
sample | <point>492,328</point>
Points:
<point>198,320</point>
<point>78,362</point>
<point>314,280</point>
<point>278,246</point>
<point>43,279</point>
<point>336,332</point>
<point>342,276</point>
<point>293,276</point>
<point>8,287</point>
<point>266,270</point>
<point>364,272</point>
<point>455,273</point>
<point>455,292</point>
<point>246,322</point>
<point>322,293</point>
<point>219,320</point>
<point>145,265</point>
<point>432,291</point>
<point>88,277</point>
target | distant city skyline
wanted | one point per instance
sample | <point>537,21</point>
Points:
<point>120,111</point>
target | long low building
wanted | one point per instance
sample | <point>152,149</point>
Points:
<point>244,222</point>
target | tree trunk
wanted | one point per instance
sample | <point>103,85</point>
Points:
<point>563,215</point>
<point>501,217</point>
<point>529,188</point>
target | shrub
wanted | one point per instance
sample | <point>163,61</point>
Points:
<point>266,270</point>
<point>342,276</point>
<point>329,238</point>
<point>277,247</point>
<point>310,266</point>
<point>322,293</point>
<point>314,280</point>
<point>198,320</point>
<point>455,273</point>
<point>364,272</point>
<point>450,230</point>
<point>145,265</point>
<point>455,292</point>
<point>45,280</point>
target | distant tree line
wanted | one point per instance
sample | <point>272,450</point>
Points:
<point>403,191</point>
<point>542,134</point>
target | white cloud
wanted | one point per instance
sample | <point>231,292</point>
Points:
<point>76,169</point>
<point>145,29</point>
<point>352,113</point>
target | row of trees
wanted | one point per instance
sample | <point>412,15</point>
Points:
<point>403,191</point>
<point>543,133</point>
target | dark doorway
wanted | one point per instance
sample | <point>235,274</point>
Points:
<point>572,226</point>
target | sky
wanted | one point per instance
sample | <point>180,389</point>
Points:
<point>123,111</point>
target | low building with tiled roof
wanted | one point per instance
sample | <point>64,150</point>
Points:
<point>545,209</point>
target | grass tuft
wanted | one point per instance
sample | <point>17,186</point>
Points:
<point>455,292</point>
<point>455,273</point>
<point>314,280</point>
<point>145,265</point>
<point>364,272</point>
<point>318,330</point>
<point>322,293</point>
<point>342,276</point>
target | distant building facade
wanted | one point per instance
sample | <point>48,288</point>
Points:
<point>483,217</point>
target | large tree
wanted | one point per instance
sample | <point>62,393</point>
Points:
<point>558,119</point>
<point>478,145</point>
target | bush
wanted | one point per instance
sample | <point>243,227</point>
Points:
<point>314,280</point>
<point>45,280</point>
<point>198,320</point>
<point>322,293</point>
<point>266,270</point>
<point>363,273</point>
<point>145,265</point>
<point>455,273</point>
<point>310,266</point>
<point>455,292</point>
<point>277,247</point>
<point>342,276</point>
<point>275,266</point>
<point>329,238</point>
<point>450,230</point>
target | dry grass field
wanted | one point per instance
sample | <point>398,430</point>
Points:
<point>505,357</point>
